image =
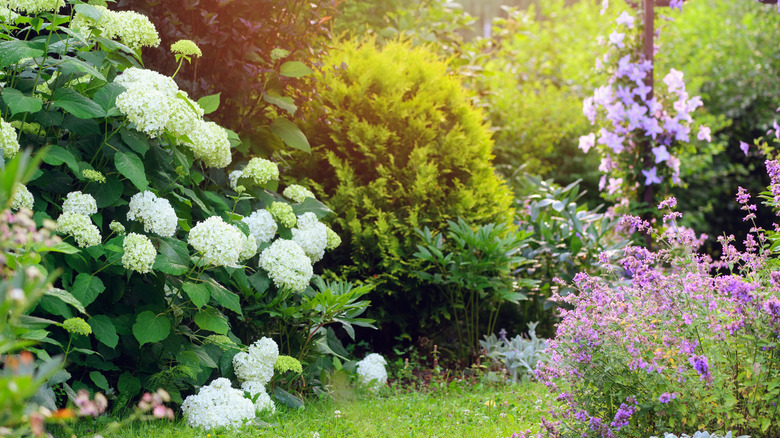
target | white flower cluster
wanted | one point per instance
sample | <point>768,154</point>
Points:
<point>258,171</point>
<point>139,253</point>
<point>22,198</point>
<point>219,243</point>
<point>334,240</point>
<point>153,102</point>
<point>283,213</point>
<point>93,175</point>
<point>311,235</point>
<point>131,28</point>
<point>79,226</point>
<point>287,265</point>
<point>248,246</point>
<point>297,193</point>
<point>34,6</point>
<point>79,203</point>
<point>154,212</point>
<point>116,227</point>
<point>8,142</point>
<point>218,405</point>
<point>255,369</point>
<point>371,371</point>
<point>261,226</point>
<point>7,15</point>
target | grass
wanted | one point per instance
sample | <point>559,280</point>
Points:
<point>460,409</point>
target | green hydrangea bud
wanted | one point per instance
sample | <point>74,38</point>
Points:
<point>287,363</point>
<point>77,326</point>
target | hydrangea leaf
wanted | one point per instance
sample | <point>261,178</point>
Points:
<point>295,69</point>
<point>108,193</point>
<point>285,103</point>
<point>86,288</point>
<point>89,11</point>
<point>224,297</point>
<point>74,103</point>
<point>66,297</point>
<point>19,103</point>
<point>128,384</point>
<point>58,155</point>
<point>150,327</point>
<point>13,51</point>
<point>199,294</point>
<point>106,98</point>
<point>131,166</point>
<point>212,320</point>
<point>99,380</point>
<point>287,399</point>
<point>173,257</point>
<point>82,67</point>
<point>104,330</point>
<point>290,134</point>
<point>311,205</point>
<point>210,103</point>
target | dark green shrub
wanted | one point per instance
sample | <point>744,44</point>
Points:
<point>397,146</point>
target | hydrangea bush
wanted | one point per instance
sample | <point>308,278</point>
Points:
<point>672,340</point>
<point>161,252</point>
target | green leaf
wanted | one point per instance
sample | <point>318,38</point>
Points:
<point>89,11</point>
<point>13,51</point>
<point>131,166</point>
<point>104,330</point>
<point>224,297</point>
<point>295,69</point>
<point>150,327</point>
<point>86,288</point>
<point>137,141</point>
<point>575,244</point>
<point>99,380</point>
<point>83,67</point>
<point>285,103</point>
<point>65,297</point>
<point>80,106</point>
<point>311,205</point>
<point>108,193</point>
<point>290,134</point>
<point>128,384</point>
<point>210,103</point>
<point>106,98</point>
<point>287,399</point>
<point>173,257</point>
<point>198,292</point>
<point>212,320</point>
<point>61,247</point>
<point>58,155</point>
<point>19,103</point>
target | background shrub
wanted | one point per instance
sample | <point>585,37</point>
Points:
<point>398,147</point>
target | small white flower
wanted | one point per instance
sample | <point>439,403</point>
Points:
<point>155,213</point>
<point>8,142</point>
<point>22,198</point>
<point>80,203</point>
<point>311,235</point>
<point>297,193</point>
<point>80,227</point>
<point>287,265</point>
<point>371,371</point>
<point>337,413</point>
<point>219,243</point>
<point>261,226</point>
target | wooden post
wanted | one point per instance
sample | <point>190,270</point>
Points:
<point>649,53</point>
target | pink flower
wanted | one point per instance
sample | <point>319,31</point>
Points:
<point>704,134</point>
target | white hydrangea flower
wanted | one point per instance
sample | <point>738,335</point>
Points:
<point>22,197</point>
<point>218,242</point>
<point>297,193</point>
<point>8,141</point>
<point>34,7</point>
<point>93,175</point>
<point>371,371</point>
<point>154,212</point>
<point>139,77</point>
<point>334,240</point>
<point>261,171</point>
<point>131,28</point>
<point>7,15</point>
<point>261,226</point>
<point>263,401</point>
<point>257,365</point>
<point>283,213</point>
<point>210,144</point>
<point>248,247</point>
<point>81,203</point>
<point>311,235</point>
<point>146,107</point>
<point>287,265</point>
<point>139,253</point>
<point>116,227</point>
<point>184,116</point>
<point>233,178</point>
<point>80,227</point>
<point>218,405</point>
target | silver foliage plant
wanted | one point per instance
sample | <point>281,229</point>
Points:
<point>519,355</point>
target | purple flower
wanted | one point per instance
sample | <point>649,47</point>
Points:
<point>670,202</point>
<point>674,80</point>
<point>651,176</point>
<point>700,364</point>
<point>587,142</point>
<point>704,134</point>
<point>744,146</point>
<point>661,154</point>
<point>678,4</point>
<point>616,39</point>
<point>667,397</point>
<point>624,413</point>
<point>625,19</point>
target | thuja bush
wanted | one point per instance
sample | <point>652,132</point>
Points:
<point>398,147</point>
<point>671,341</point>
<point>173,258</point>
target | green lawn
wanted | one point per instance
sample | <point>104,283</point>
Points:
<point>461,410</point>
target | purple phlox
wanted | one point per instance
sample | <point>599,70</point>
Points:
<point>742,195</point>
<point>616,39</point>
<point>651,126</point>
<point>744,146</point>
<point>654,106</point>
<point>606,164</point>
<point>772,307</point>
<point>741,291</point>
<point>669,202</point>
<point>651,176</point>
<point>674,80</point>
<point>587,142</point>
<point>661,154</point>
<point>704,134</point>
<point>674,164</point>
<point>701,365</point>
<point>625,19</point>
